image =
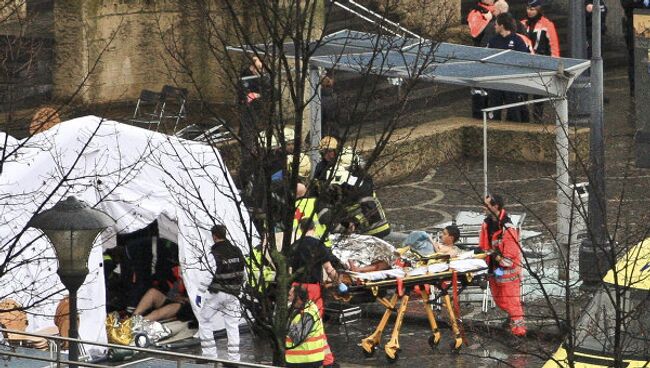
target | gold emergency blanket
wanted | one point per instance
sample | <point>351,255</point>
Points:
<point>118,332</point>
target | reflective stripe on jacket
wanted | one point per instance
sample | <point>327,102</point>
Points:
<point>506,241</point>
<point>259,273</point>
<point>306,207</point>
<point>528,43</point>
<point>312,348</point>
<point>370,214</point>
<point>543,36</point>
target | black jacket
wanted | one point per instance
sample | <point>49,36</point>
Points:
<point>510,42</point>
<point>229,274</point>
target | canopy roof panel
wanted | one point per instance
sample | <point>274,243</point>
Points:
<point>395,56</point>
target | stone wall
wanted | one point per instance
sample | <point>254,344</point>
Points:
<point>418,149</point>
<point>115,48</point>
<point>430,18</point>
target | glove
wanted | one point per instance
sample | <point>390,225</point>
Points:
<point>277,176</point>
<point>342,288</point>
<point>198,301</point>
<point>498,271</point>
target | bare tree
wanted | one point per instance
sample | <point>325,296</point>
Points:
<point>286,36</point>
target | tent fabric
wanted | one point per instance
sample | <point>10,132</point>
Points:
<point>399,57</point>
<point>134,175</point>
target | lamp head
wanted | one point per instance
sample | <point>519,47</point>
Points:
<point>72,226</point>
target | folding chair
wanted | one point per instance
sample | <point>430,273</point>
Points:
<point>151,101</point>
<point>174,99</point>
<point>211,132</point>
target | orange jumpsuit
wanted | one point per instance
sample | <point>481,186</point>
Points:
<point>505,285</point>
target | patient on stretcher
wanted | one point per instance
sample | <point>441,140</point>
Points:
<point>424,245</point>
<point>366,253</point>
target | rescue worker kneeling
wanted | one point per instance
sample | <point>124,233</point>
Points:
<point>305,342</point>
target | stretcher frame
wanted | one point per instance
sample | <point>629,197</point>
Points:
<point>421,284</point>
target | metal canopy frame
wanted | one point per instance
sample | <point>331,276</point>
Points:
<point>402,57</point>
<point>395,56</point>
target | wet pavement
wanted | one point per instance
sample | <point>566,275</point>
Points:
<point>482,349</point>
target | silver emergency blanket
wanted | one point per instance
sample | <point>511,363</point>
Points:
<point>154,330</point>
<point>362,249</point>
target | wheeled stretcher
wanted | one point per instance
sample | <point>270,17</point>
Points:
<point>449,277</point>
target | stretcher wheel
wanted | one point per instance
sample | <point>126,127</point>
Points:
<point>434,341</point>
<point>370,353</point>
<point>392,360</point>
<point>456,345</point>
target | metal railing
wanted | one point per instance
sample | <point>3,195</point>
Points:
<point>58,360</point>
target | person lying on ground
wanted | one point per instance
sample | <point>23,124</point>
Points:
<point>167,299</point>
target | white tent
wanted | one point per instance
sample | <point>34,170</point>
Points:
<point>134,175</point>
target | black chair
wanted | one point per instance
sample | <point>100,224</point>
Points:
<point>174,99</point>
<point>149,109</point>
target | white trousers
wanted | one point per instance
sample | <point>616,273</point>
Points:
<point>222,305</point>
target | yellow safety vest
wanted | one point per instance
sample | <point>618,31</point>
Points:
<point>306,208</point>
<point>253,263</point>
<point>312,349</point>
<point>378,225</point>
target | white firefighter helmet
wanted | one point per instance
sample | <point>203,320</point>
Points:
<point>289,136</point>
<point>328,143</point>
<point>304,168</point>
<point>346,158</point>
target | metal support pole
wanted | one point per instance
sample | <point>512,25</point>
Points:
<point>485,155</point>
<point>597,199</point>
<point>485,149</point>
<point>563,185</point>
<point>314,116</point>
<point>577,31</point>
<point>595,245</point>
<point>73,348</point>
<point>579,93</point>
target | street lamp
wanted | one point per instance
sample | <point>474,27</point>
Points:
<point>72,226</point>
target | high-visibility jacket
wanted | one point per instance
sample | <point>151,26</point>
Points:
<point>543,35</point>
<point>369,212</point>
<point>306,208</point>
<point>528,42</point>
<point>477,20</point>
<point>312,348</point>
<point>259,274</point>
<point>506,285</point>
